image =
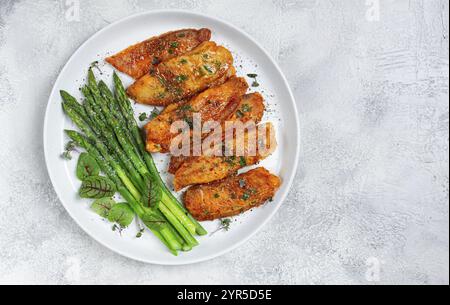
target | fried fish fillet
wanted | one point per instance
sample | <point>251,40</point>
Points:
<point>255,144</point>
<point>182,77</point>
<point>251,108</point>
<point>215,104</point>
<point>231,196</point>
<point>139,59</point>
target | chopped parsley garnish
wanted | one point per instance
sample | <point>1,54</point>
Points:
<point>69,147</point>
<point>239,114</point>
<point>216,195</point>
<point>184,61</point>
<point>242,183</point>
<point>254,76</point>
<point>208,68</point>
<point>174,44</point>
<point>155,112</point>
<point>142,116</point>
<point>246,108</point>
<point>181,78</point>
<point>248,193</point>
<point>242,161</point>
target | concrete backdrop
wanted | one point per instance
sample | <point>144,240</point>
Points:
<point>370,203</point>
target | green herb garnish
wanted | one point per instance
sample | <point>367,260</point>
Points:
<point>181,78</point>
<point>142,116</point>
<point>69,148</point>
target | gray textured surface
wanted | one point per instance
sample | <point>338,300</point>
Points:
<point>373,185</point>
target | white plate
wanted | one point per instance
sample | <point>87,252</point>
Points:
<point>249,58</point>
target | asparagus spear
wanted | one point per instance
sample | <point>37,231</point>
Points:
<point>172,212</point>
<point>162,231</point>
<point>130,122</point>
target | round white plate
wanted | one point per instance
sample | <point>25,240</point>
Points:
<point>249,58</point>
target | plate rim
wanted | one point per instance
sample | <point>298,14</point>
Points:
<point>289,181</point>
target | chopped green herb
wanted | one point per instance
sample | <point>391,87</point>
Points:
<point>155,112</point>
<point>246,108</point>
<point>254,76</point>
<point>185,108</point>
<point>181,78</point>
<point>184,61</point>
<point>230,160</point>
<point>69,147</point>
<point>140,233</point>
<point>161,95</point>
<point>142,116</point>
<point>239,114</point>
<point>225,224</point>
<point>207,68</point>
<point>174,44</point>
<point>242,183</point>
<point>242,161</point>
<point>245,196</point>
<point>216,195</point>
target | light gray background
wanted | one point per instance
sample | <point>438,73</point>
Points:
<point>372,189</point>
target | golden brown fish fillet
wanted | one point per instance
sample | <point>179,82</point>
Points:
<point>139,59</point>
<point>251,108</point>
<point>216,104</point>
<point>209,168</point>
<point>231,196</point>
<point>182,77</point>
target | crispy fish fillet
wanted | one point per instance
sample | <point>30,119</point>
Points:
<point>251,108</point>
<point>209,168</point>
<point>215,104</point>
<point>182,77</point>
<point>231,196</point>
<point>141,58</point>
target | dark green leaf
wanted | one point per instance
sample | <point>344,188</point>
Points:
<point>142,116</point>
<point>152,193</point>
<point>103,206</point>
<point>97,187</point>
<point>252,75</point>
<point>121,214</point>
<point>87,166</point>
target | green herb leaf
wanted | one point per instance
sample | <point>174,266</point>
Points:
<point>155,112</point>
<point>174,44</point>
<point>246,108</point>
<point>181,78</point>
<point>121,214</point>
<point>97,187</point>
<point>103,206</point>
<point>255,84</point>
<point>207,68</point>
<point>87,166</point>
<point>184,61</point>
<point>153,221</point>
<point>242,161</point>
<point>252,75</point>
<point>152,193</point>
<point>69,147</point>
<point>142,116</point>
